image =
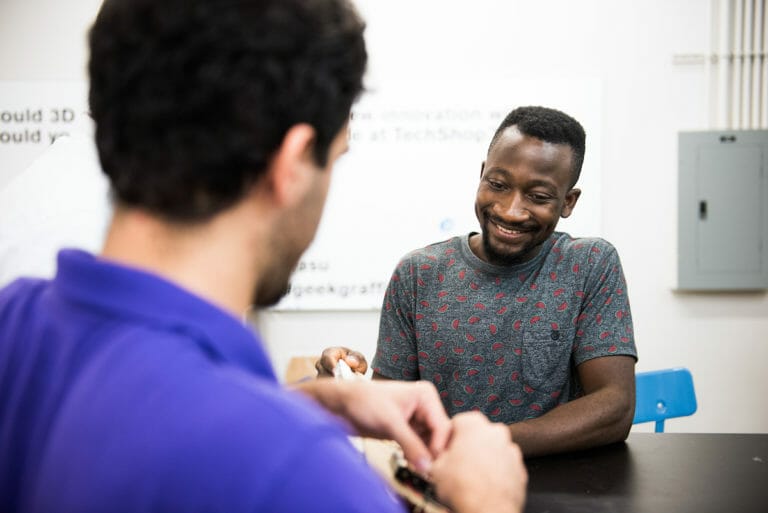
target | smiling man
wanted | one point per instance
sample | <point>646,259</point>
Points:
<point>526,324</point>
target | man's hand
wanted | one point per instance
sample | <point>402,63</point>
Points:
<point>331,355</point>
<point>409,413</point>
<point>480,469</point>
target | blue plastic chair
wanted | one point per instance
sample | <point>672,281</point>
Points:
<point>663,394</point>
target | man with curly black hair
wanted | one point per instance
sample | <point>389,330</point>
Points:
<point>129,381</point>
<point>528,325</point>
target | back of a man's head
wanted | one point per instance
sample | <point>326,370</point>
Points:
<point>192,97</point>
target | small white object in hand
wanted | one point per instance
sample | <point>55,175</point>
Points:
<point>343,371</point>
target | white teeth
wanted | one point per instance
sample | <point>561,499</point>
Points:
<point>504,230</point>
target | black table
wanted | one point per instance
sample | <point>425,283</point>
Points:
<point>655,473</point>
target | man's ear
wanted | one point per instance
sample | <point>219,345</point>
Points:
<point>571,197</point>
<point>290,170</point>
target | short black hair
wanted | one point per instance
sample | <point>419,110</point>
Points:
<point>191,98</point>
<point>550,125</point>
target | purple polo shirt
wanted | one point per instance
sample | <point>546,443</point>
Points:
<point>120,391</point>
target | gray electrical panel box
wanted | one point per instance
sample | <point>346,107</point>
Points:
<point>723,210</point>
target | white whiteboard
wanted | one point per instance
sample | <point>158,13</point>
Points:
<point>409,179</point>
<point>33,114</point>
<point>52,191</point>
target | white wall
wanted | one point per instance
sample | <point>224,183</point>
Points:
<point>629,45</point>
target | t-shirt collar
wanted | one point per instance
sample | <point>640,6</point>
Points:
<point>501,270</point>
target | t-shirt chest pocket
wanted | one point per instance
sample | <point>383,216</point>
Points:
<point>546,358</point>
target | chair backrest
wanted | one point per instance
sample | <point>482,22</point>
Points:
<point>663,394</point>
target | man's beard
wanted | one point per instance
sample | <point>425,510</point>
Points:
<point>495,257</point>
<point>273,288</point>
<point>499,258</point>
<point>264,298</point>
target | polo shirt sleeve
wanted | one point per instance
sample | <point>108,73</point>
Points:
<point>604,325</point>
<point>349,484</point>
<point>271,450</point>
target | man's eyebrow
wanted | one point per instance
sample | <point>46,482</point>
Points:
<point>536,182</point>
<point>543,183</point>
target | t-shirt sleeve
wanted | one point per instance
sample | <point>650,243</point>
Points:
<point>396,352</point>
<point>604,325</point>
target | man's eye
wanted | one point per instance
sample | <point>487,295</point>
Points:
<point>540,198</point>
<point>495,185</point>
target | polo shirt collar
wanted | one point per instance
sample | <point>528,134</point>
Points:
<point>133,294</point>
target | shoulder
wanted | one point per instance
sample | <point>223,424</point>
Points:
<point>569,243</point>
<point>18,297</point>
<point>582,247</point>
<point>432,253</point>
<point>22,287</point>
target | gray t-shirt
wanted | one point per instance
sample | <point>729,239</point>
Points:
<point>504,340</point>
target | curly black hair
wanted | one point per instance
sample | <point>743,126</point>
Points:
<point>550,125</point>
<point>191,98</point>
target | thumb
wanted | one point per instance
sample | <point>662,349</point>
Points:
<point>356,362</point>
<point>414,449</point>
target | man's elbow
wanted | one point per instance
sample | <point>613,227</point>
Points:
<point>624,413</point>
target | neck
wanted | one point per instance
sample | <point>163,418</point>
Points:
<point>209,259</point>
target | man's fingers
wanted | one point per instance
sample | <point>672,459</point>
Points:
<point>356,362</point>
<point>326,364</point>
<point>321,370</point>
<point>428,428</point>
<point>328,359</point>
<point>414,449</point>
<point>431,420</point>
<point>439,437</point>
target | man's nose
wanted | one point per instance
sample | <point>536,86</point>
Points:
<point>515,207</point>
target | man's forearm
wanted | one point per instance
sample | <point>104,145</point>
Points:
<point>599,418</point>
